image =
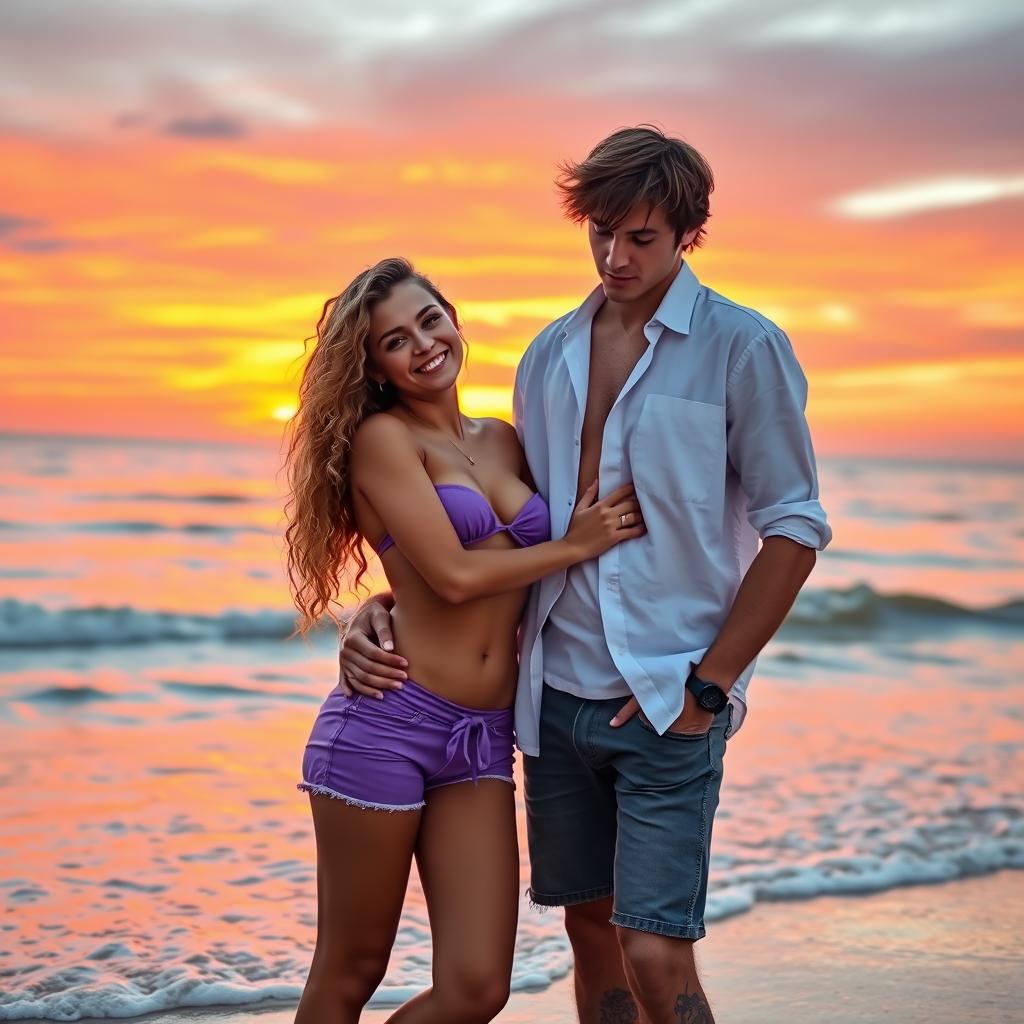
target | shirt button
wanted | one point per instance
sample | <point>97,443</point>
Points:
<point>577,442</point>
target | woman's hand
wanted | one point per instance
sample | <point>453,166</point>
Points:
<point>598,525</point>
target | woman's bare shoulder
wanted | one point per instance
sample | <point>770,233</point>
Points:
<point>500,430</point>
<point>504,437</point>
<point>380,429</point>
<point>383,445</point>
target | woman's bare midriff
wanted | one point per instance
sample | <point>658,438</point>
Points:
<point>466,653</point>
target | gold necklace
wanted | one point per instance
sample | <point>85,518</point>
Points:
<point>472,461</point>
<point>464,454</point>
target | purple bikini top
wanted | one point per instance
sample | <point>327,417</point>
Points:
<point>474,519</point>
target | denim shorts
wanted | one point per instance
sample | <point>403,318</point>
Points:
<point>388,754</point>
<point>622,812</point>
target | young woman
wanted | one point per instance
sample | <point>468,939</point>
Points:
<point>380,453</point>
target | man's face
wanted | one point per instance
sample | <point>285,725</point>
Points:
<point>637,254</point>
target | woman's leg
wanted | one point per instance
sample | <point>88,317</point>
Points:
<point>363,860</point>
<point>468,861</point>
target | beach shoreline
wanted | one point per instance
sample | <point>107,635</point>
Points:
<point>153,719</point>
<point>921,953</point>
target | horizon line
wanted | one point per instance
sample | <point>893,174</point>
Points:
<point>1009,462</point>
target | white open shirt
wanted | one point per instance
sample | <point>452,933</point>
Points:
<point>710,428</point>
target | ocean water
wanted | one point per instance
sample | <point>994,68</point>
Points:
<point>154,852</point>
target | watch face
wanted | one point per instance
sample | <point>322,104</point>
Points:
<point>709,699</point>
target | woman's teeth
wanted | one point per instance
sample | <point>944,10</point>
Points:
<point>433,364</point>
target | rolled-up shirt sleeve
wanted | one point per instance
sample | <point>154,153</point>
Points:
<point>769,443</point>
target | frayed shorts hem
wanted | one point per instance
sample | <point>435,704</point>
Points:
<point>479,778</point>
<point>570,899</point>
<point>645,924</point>
<point>366,805</point>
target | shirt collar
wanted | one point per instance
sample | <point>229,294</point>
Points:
<point>584,313</point>
<point>675,311</point>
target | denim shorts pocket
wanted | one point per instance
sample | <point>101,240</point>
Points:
<point>682,737</point>
<point>388,708</point>
<point>323,740</point>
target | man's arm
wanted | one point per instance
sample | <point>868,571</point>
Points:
<point>769,445</point>
<point>762,602</point>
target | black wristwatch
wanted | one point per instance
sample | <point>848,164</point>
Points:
<point>710,696</point>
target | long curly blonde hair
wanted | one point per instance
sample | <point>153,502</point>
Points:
<point>336,394</point>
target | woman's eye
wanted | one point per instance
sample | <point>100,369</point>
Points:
<point>432,319</point>
<point>648,242</point>
<point>394,343</point>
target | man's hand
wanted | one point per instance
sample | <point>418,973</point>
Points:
<point>626,712</point>
<point>693,719</point>
<point>366,664</point>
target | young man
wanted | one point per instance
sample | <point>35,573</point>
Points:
<point>634,667</point>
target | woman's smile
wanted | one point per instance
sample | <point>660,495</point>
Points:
<point>433,364</point>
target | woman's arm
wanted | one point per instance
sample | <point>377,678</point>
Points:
<point>389,474</point>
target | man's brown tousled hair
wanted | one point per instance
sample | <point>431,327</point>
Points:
<point>639,165</point>
<point>335,396</point>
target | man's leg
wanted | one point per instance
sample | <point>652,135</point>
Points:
<point>602,992</point>
<point>570,817</point>
<point>663,974</point>
<point>667,791</point>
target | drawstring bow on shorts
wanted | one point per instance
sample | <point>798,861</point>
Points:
<point>473,735</point>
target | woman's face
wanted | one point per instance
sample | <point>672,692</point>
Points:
<point>413,344</point>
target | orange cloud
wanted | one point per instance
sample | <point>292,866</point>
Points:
<point>161,282</point>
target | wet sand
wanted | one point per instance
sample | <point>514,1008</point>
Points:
<point>937,953</point>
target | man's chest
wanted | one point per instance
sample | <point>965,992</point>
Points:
<point>612,362</point>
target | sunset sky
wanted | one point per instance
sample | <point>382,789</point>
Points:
<point>182,184</point>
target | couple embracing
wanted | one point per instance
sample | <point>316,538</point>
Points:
<point>592,585</point>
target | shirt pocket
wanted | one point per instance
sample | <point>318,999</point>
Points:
<point>678,450</point>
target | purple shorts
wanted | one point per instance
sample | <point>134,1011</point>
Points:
<point>387,754</point>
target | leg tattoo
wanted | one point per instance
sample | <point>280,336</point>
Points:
<point>618,1007</point>
<point>692,1008</point>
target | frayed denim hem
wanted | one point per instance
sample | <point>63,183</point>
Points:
<point>366,805</point>
<point>645,924</point>
<point>544,901</point>
<point>457,782</point>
